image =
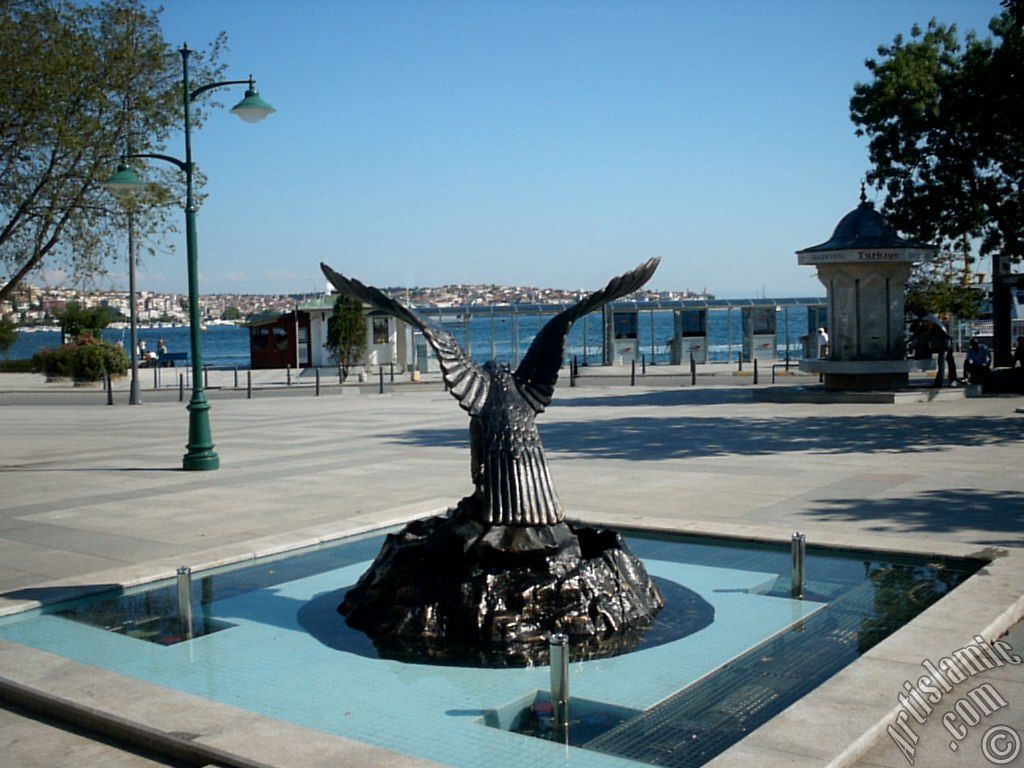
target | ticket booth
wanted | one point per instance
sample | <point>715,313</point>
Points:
<point>758,333</point>
<point>621,336</point>
<point>690,335</point>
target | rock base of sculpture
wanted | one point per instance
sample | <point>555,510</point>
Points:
<point>454,589</point>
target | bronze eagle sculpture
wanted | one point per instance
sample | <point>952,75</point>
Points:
<point>508,467</point>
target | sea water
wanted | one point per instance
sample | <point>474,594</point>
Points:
<point>227,346</point>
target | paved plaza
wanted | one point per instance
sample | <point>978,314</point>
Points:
<point>92,494</point>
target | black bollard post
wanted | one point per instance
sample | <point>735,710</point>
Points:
<point>572,376</point>
<point>318,382</point>
<point>110,389</point>
<point>381,387</point>
<point>392,364</point>
<point>739,356</point>
<point>755,370</point>
<point>181,387</point>
<point>288,374</point>
<point>341,376</point>
<point>156,385</point>
<point>206,377</point>
<point>632,374</point>
<point>236,377</point>
<point>693,371</point>
<point>575,366</point>
<point>248,385</point>
<point>643,363</point>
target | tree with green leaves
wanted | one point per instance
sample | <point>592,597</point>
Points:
<point>76,321</point>
<point>945,141</point>
<point>81,85</point>
<point>7,336</point>
<point>231,313</point>
<point>346,333</point>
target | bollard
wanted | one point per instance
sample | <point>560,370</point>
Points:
<point>572,376</point>
<point>755,370</point>
<point>739,356</point>
<point>206,377</point>
<point>799,546</point>
<point>643,364</point>
<point>575,366</point>
<point>110,389</point>
<point>632,374</point>
<point>236,377</point>
<point>380,388</point>
<point>558,646</point>
<point>288,374</point>
<point>156,385</point>
<point>318,382</point>
<point>248,385</point>
<point>392,364</point>
<point>185,601</point>
<point>693,371</point>
<point>341,376</point>
<point>181,388</point>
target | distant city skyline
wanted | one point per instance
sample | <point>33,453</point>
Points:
<point>532,143</point>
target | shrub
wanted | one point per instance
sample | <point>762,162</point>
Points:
<point>83,360</point>
<point>16,366</point>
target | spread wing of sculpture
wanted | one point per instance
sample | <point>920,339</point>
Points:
<point>488,582</point>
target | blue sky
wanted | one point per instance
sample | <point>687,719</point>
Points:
<point>552,144</point>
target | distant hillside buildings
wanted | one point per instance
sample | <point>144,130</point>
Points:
<point>32,305</point>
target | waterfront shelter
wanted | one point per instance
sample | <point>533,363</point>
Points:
<point>386,337</point>
<point>280,340</point>
<point>864,267</point>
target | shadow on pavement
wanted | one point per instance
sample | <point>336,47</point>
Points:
<point>936,511</point>
<point>649,438</point>
<point>693,396</point>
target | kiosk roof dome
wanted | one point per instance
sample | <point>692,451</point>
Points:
<point>864,227</point>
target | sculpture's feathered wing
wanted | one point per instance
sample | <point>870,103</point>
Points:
<point>538,372</point>
<point>467,381</point>
<point>508,463</point>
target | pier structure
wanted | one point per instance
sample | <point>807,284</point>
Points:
<point>618,323</point>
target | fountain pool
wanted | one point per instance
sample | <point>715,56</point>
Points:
<point>267,638</point>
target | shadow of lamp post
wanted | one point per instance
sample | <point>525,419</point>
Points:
<point>125,182</point>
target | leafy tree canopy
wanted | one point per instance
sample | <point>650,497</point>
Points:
<point>945,139</point>
<point>81,84</point>
<point>76,320</point>
<point>934,288</point>
<point>7,336</point>
<point>346,333</point>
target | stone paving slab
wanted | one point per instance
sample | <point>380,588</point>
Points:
<point>78,482</point>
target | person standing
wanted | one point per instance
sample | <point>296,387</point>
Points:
<point>822,342</point>
<point>942,345</point>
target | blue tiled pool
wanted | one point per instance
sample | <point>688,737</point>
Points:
<point>270,641</point>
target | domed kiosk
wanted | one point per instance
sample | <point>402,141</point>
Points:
<point>864,267</point>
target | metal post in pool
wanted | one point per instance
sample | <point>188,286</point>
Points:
<point>798,543</point>
<point>558,646</point>
<point>185,601</point>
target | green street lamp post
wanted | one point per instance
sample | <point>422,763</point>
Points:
<point>200,455</point>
